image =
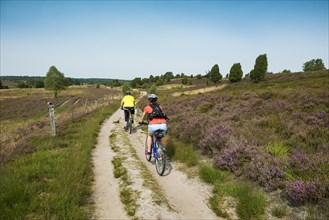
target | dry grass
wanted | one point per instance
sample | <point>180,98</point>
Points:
<point>24,113</point>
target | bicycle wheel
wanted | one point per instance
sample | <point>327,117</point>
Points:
<point>160,162</point>
<point>147,156</point>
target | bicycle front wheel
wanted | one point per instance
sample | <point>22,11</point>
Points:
<point>160,162</point>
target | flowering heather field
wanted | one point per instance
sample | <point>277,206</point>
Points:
<point>274,133</point>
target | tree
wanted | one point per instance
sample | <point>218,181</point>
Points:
<point>260,68</point>
<point>115,83</point>
<point>151,78</point>
<point>153,89</point>
<point>214,74</point>
<point>22,84</point>
<point>184,80</point>
<point>125,88</point>
<point>160,82</point>
<point>38,83</point>
<point>313,65</point>
<point>137,82</point>
<point>55,80</point>
<point>1,87</point>
<point>286,71</point>
<point>235,73</point>
<point>168,76</point>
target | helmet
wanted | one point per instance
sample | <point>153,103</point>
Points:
<point>128,92</point>
<point>152,98</point>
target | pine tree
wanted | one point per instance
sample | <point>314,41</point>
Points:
<point>260,68</point>
<point>235,73</point>
<point>214,74</point>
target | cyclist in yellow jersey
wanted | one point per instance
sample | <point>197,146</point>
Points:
<point>128,104</point>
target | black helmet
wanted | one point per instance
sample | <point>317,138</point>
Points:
<point>128,92</point>
<point>152,98</point>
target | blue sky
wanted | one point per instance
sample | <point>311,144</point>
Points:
<point>128,39</point>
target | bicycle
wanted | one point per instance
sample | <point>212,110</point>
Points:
<point>158,151</point>
<point>129,125</point>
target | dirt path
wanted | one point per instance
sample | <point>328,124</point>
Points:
<point>172,196</point>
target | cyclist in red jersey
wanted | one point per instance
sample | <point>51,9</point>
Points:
<point>155,123</point>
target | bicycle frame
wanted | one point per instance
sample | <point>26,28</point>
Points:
<point>155,141</point>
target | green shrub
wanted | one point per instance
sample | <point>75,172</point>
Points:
<point>279,211</point>
<point>210,174</point>
<point>205,107</point>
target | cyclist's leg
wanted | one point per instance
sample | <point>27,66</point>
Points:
<point>149,143</point>
<point>151,130</point>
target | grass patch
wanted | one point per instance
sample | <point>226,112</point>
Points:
<point>55,181</point>
<point>129,197</point>
<point>181,152</point>
<point>278,149</point>
<point>215,206</point>
<point>250,203</point>
<point>279,211</point>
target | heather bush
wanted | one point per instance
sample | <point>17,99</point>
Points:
<point>262,130</point>
<point>234,157</point>
<point>189,128</point>
<point>215,138</point>
<point>265,170</point>
<point>300,191</point>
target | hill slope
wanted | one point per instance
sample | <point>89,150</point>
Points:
<point>274,133</point>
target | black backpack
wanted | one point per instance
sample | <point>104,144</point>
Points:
<point>157,112</point>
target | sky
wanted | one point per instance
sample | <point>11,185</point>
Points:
<point>128,39</point>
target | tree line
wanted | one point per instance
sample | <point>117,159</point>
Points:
<point>257,74</point>
<point>56,81</point>
<point>38,81</point>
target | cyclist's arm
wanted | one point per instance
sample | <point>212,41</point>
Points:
<point>142,118</point>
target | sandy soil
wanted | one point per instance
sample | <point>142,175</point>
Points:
<point>182,197</point>
<point>203,90</point>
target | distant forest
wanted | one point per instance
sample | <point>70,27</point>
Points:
<point>38,81</point>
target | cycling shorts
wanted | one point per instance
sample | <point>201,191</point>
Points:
<point>154,127</point>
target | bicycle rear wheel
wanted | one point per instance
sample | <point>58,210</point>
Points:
<point>160,162</point>
<point>130,128</point>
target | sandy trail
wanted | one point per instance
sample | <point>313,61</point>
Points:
<point>185,198</point>
<point>106,189</point>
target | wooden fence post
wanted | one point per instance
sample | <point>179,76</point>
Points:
<point>51,109</point>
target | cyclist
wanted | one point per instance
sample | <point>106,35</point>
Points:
<point>158,121</point>
<point>128,104</point>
